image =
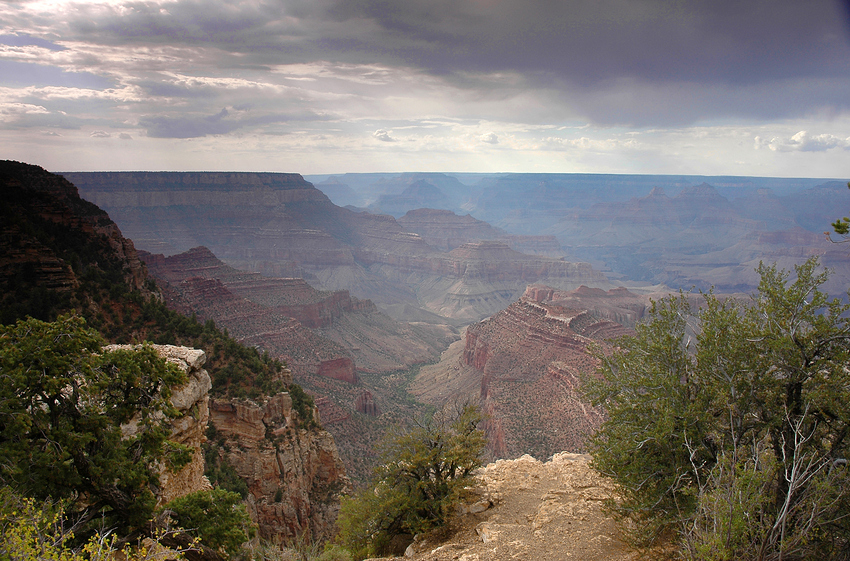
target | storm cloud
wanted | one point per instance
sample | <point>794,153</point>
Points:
<point>491,72</point>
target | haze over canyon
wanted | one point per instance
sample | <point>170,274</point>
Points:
<point>358,280</point>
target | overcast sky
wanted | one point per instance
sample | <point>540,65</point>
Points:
<point>737,87</point>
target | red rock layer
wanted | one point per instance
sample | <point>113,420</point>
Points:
<point>294,475</point>
<point>531,357</point>
<point>291,297</point>
<point>338,369</point>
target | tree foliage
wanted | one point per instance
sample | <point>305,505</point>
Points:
<point>841,227</point>
<point>218,517</point>
<point>728,425</point>
<point>62,403</point>
<point>40,530</point>
<point>421,478</point>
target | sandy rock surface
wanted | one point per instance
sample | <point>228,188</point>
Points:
<point>527,509</point>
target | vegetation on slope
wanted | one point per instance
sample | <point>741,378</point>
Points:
<point>734,441</point>
<point>422,475</point>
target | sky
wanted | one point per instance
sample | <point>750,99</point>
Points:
<point>710,87</point>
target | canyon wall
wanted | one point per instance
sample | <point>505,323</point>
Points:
<point>524,365</point>
<point>291,466</point>
<point>294,473</point>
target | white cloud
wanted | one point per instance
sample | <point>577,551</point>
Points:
<point>383,135</point>
<point>490,138</point>
<point>21,109</point>
<point>803,142</point>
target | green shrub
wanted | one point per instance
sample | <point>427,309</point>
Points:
<point>62,402</point>
<point>421,480</point>
<point>217,517</point>
<point>728,426</point>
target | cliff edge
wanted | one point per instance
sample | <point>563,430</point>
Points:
<point>527,509</point>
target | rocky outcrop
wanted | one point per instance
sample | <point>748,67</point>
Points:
<point>294,474</point>
<point>191,400</point>
<point>365,403</point>
<point>528,509</point>
<point>617,304</point>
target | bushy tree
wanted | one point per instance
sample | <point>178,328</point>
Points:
<point>420,480</point>
<point>218,517</point>
<point>62,403</point>
<point>728,425</point>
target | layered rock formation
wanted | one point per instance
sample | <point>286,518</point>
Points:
<point>445,230</point>
<point>329,333</point>
<point>294,475</point>
<point>274,222</point>
<point>191,400</point>
<point>525,365</point>
<point>49,236</point>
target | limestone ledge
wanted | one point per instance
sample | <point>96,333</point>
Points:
<point>192,402</point>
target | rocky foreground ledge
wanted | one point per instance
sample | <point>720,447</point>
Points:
<point>527,509</point>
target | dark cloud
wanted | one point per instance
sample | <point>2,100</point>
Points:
<point>578,48</point>
<point>610,62</point>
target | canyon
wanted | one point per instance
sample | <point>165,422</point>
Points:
<point>338,347</point>
<point>61,253</point>
<point>674,230</point>
<point>383,317</point>
<point>525,365</point>
<point>282,226</point>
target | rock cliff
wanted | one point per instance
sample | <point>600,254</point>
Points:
<point>294,474</point>
<point>192,403</point>
<point>524,365</point>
